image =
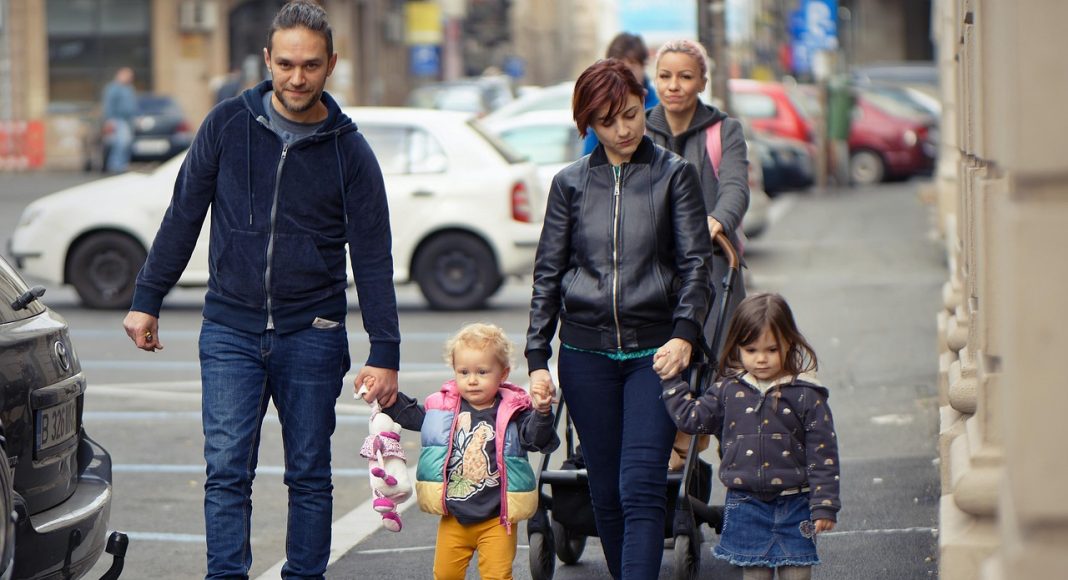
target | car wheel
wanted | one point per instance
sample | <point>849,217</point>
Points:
<point>103,268</point>
<point>456,272</point>
<point>866,167</point>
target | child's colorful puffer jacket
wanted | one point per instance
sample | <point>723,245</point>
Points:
<point>519,496</point>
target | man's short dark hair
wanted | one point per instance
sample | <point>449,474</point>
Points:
<point>305,14</point>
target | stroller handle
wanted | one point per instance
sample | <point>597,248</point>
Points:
<point>725,244</point>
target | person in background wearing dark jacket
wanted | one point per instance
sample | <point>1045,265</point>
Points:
<point>473,469</point>
<point>289,181</point>
<point>777,439</point>
<point>622,266</point>
<point>630,49</point>
<point>681,123</point>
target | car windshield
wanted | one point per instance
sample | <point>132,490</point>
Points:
<point>152,105</point>
<point>893,105</point>
<point>507,152</point>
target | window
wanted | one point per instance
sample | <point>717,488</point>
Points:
<point>88,40</point>
<point>754,105</point>
<point>544,144</point>
<point>405,150</point>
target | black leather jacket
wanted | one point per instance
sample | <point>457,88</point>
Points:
<point>622,265</point>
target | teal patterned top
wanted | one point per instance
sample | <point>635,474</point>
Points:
<point>616,355</point>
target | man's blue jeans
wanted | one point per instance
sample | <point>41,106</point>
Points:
<point>626,437</point>
<point>302,372</point>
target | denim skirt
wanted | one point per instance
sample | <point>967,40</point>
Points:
<point>768,534</point>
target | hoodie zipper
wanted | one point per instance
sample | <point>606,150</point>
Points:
<point>270,236</point>
<point>617,202</point>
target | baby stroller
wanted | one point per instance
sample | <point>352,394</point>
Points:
<point>564,518</point>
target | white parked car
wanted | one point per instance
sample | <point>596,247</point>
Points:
<point>465,212</point>
<point>547,138</point>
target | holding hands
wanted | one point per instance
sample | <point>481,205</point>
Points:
<point>672,358</point>
<point>542,391</point>
<point>824,525</point>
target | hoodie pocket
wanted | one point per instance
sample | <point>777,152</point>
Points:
<point>238,271</point>
<point>298,267</point>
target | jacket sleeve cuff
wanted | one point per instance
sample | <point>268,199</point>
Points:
<point>384,355</point>
<point>824,513</point>
<point>687,330</point>
<point>147,300</point>
<point>537,360</point>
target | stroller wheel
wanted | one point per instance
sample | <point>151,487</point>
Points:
<point>542,560</point>
<point>687,558</point>
<point>569,545</point>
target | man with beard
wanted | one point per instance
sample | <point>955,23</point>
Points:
<point>289,182</point>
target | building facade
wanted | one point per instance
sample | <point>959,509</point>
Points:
<point>1002,196</point>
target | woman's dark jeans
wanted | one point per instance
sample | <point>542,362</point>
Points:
<point>626,437</point>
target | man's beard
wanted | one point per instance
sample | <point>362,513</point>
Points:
<point>295,108</point>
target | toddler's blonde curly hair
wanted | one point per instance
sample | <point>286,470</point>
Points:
<point>481,336</point>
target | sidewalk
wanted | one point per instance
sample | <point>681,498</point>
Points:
<point>863,276</point>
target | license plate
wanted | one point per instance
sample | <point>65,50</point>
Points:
<point>56,424</point>
<point>151,146</point>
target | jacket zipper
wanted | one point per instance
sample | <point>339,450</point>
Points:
<point>617,202</point>
<point>270,236</point>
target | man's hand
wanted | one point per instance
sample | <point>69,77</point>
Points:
<point>381,385</point>
<point>143,329</point>
<point>824,526</point>
<point>672,358</point>
<point>541,396</point>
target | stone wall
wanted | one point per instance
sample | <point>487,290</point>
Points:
<point>1002,195</point>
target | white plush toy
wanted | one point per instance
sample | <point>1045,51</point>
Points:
<point>388,468</point>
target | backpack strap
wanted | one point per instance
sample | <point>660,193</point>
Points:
<point>714,146</point>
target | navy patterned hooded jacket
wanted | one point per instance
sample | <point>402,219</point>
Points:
<point>769,442</point>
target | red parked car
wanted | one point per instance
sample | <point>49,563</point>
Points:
<point>889,139</point>
<point>770,107</point>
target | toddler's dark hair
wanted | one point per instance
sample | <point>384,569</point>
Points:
<point>759,311</point>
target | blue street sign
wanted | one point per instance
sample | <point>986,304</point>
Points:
<point>821,24</point>
<point>425,60</point>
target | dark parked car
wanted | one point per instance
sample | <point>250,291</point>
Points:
<point>56,481</point>
<point>787,163</point>
<point>161,131</point>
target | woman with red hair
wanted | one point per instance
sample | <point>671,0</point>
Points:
<point>622,268</point>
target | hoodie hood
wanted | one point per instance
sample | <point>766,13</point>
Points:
<point>704,116</point>
<point>336,121</point>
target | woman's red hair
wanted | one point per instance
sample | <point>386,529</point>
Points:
<point>605,82</point>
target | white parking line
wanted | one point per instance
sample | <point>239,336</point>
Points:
<point>349,530</point>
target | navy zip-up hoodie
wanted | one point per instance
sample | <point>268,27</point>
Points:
<point>280,218</point>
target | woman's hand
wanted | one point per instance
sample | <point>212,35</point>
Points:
<point>541,396</point>
<point>672,358</point>
<point>714,227</point>
<point>824,526</point>
<point>542,390</point>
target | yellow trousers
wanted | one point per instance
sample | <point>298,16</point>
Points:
<point>458,542</point>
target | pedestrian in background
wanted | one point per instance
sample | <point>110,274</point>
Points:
<point>622,267</point>
<point>629,48</point>
<point>473,468</point>
<point>777,438</point>
<point>119,110</point>
<point>685,125</point>
<point>289,182</point>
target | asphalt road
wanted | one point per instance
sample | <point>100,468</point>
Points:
<point>860,268</point>
<point>863,274</point>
